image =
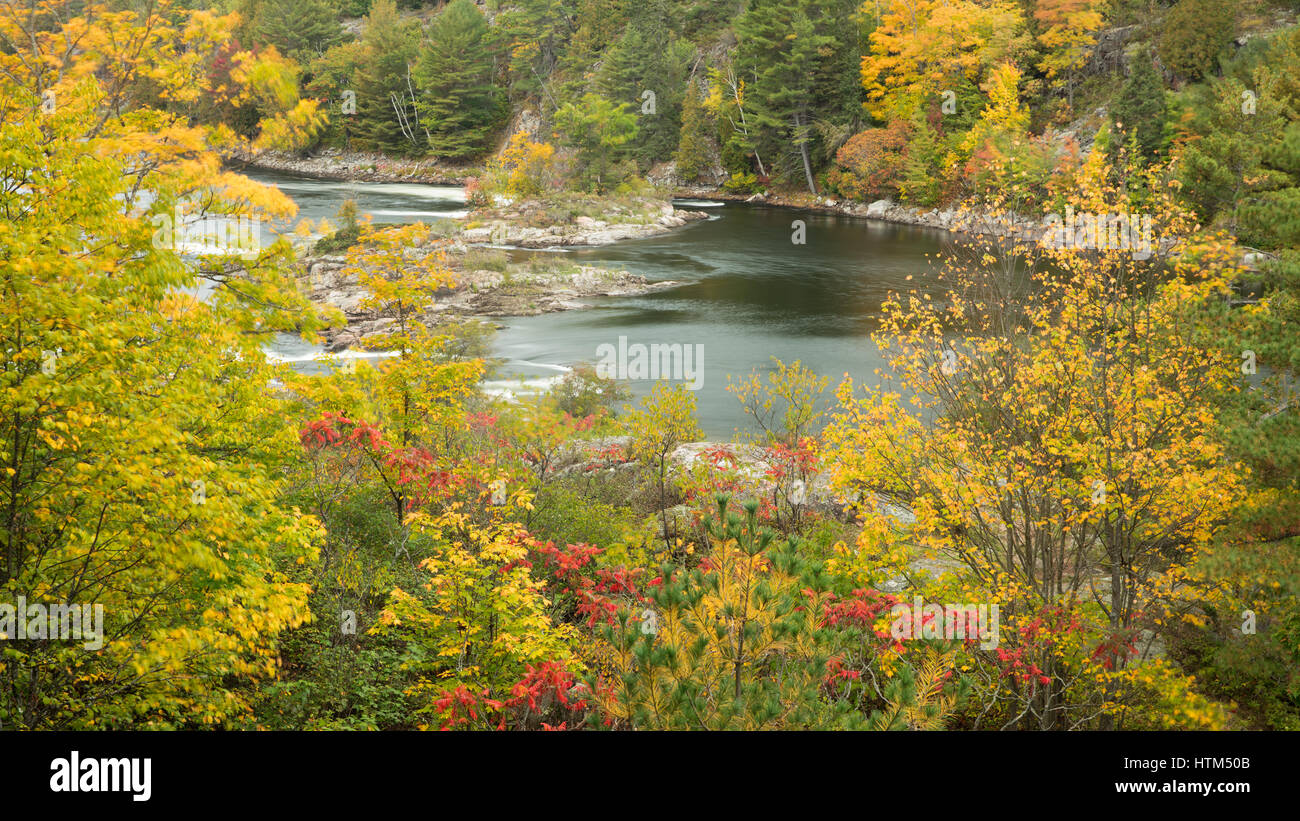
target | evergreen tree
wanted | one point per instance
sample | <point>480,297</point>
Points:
<point>301,29</point>
<point>791,55</point>
<point>1225,164</point>
<point>458,104</point>
<point>1262,541</point>
<point>385,111</point>
<point>921,183</point>
<point>1140,111</point>
<point>646,68</point>
<point>536,33</point>
<point>723,627</point>
<point>600,131</point>
<point>839,72</point>
<point>1284,60</point>
<point>599,23</point>
<point>1272,218</point>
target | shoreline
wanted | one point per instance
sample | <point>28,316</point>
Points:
<point>335,165</point>
<point>959,219</point>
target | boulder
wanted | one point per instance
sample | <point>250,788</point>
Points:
<point>879,208</point>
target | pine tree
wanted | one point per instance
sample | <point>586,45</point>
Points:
<point>458,104</point>
<point>1140,111</point>
<point>301,29</point>
<point>793,53</point>
<point>536,33</point>
<point>1224,164</point>
<point>721,628</point>
<point>600,131</point>
<point>1272,218</point>
<point>646,68</point>
<point>385,114</point>
<point>599,23</point>
<point>921,182</point>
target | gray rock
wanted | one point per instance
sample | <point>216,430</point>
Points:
<point>879,208</point>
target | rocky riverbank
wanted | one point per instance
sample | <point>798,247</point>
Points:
<point>487,286</point>
<point>955,218</point>
<point>572,219</point>
<point>352,166</point>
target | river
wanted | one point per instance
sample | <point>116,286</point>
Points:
<point>748,292</point>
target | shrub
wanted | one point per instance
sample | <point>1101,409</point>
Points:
<point>563,513</point>
<point>872,163</point>
<point>742,183</point>
<point>348,233</point>
<point>583,393</point>
<point>477,194</point>
<point>524,169</point>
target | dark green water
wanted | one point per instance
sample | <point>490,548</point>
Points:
<point>748,293</point>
